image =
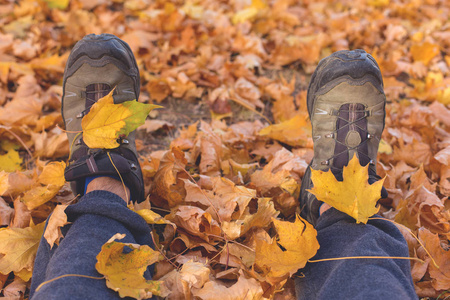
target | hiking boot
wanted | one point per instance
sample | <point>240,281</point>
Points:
<point>97,64</point>
<point>346,106</point>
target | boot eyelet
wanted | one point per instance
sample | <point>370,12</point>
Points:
<point>78,142</point>
<point>133,167</point>
<point>125,141</point>
<point>369,136</point>
<point>80,115</point>
<point>329,135</point>
<point>325,162</point>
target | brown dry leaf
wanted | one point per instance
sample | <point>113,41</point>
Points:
<point>248,91</point>
<point>22,215</point>
<point>270,184</point>
<point>191,275</point>
<point>167,186</point>
<point>4,182</point>
<point>15,290</point>
<point>195,221</point>
<point>158,89</point>
<point>50,144</point>
<point>260,219</point>
<point>211,151</point>
<point>195,274</point>
<point>154,125</point>
<point>186,139</point>
<point>6,213</point>
<point>225,198</point>
<point>440,275</point>
<point>278,263</point>
<point>26,107</point>
<point>19,246</point>
<point>244,289</point>
<point>284,107</point>
<point>57,220</point>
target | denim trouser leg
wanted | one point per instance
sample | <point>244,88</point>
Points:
<point>95,219</point>
<point>340,236</point>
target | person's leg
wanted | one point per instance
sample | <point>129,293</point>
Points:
<point>97,65</point>
<point>100,214</point>
<point>340,236</point>
<point>346,105</point>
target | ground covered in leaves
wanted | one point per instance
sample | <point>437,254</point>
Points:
<point>223,162</point>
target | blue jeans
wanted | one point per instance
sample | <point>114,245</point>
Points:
<point>95,219</point>
<point>340,236</point>
<point>100,214</point>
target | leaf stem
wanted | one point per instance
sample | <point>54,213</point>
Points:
<point>121,179</point>
<point>67,275</point>
<point>364,257</point>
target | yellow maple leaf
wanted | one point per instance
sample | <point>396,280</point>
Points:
<point>19,246</point>
<point>151,217</point>
<point>106,121</point>
<point>424,52</point>
<point>378,3</point>
<point>124,271</point>
<point>249,12</point>
<point>353,196</point>
<point>299,240</point>
<point>293,132</point>
<point>384,147</point>
<point>60,4</point>
<point>10,161</point>
<point>39,195</point>
<point>53,173</point>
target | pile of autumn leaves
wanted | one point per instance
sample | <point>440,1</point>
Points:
<point>227,191</point>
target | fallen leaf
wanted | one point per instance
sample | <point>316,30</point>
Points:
<point>168,188</point>
<point>10,161</point>
<point>244,289</point>
<point>57,220</point>
<point>60,4</point>
<point>4,182</point>
<point>106,121</point>
<point>39,195</point>
<point>19,246</point>
<point>151,217</point>
<point>50,144</point>
<point>6,213</point>
<point>22,215</point>
<point>195,221</point>
<point>53,173</point>
<point>353,196</point>
<point>440,274</point>
<point>299,244</point>
<point>424,52</point>
<point>124,271</point>
<point>294,132</point>
<point>195,274</point>
<point>16,289</point>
